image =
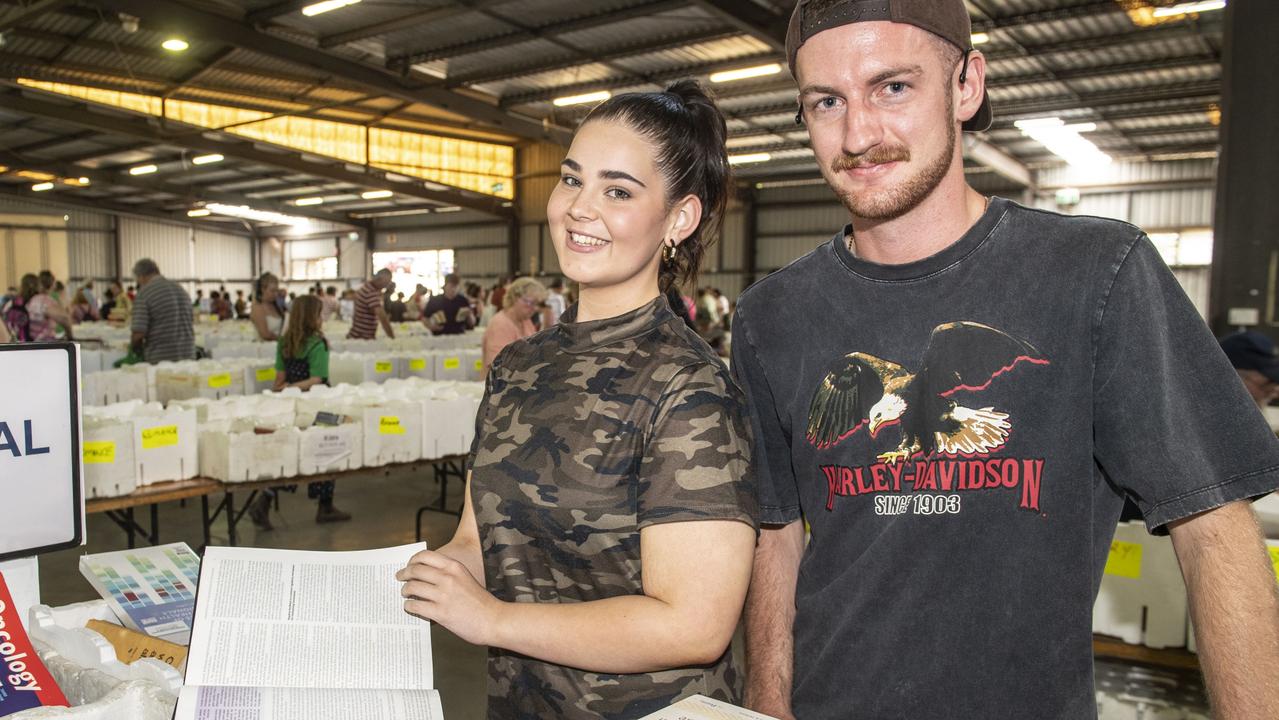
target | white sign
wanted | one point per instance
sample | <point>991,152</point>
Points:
<point>41,497</point>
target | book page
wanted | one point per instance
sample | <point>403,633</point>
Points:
<point>298,619</point>
<point>700,707</point>
<point>150,589</point>
<point>234,703</point>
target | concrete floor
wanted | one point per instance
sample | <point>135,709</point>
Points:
<point>383,510</point>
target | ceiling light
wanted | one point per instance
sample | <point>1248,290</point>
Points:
<point>175,44</point>
<point>749,158</point>
<point>600,96</point>
<point>206,159</point>
<point>377,194</point>
<point>143,170</point>
<point>391,213</point>
<point>262,216</point>
<point>303,202</point>
<point>1065,140</point>
<point>199,212</point>
<point>41,187</point>
<point>1190,7</point>
<point>448,209</point>
<point>83,180</point>
<point>326,6</point>
<point>746,73</point>
<point>980,38</point>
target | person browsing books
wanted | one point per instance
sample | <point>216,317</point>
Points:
<point>302,362</point>
<point>608,529</point>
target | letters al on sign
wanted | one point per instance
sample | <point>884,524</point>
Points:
<point>41,495</point>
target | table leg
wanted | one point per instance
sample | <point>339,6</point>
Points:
<point>230,518</point>
<point>128,513</point>
<point>205,520</point>
<point>155,524</point>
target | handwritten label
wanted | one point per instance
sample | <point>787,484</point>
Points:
<point>159,437</point>
<point>220,381</point>
<point>383,367</point>
<point>452,363</point>
<point>99,452</point>
<point>390,425</point>
<point>417,364</point>
<point>1124,560</point>
<point>266,375</point>
<point>1274,560</point>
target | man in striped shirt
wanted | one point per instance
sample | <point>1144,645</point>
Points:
<point>163,325</point>
<point>370,311</point>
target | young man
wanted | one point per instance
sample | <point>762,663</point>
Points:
<point>449,313</point>
<point>957,393</point>
<point>369,309</point>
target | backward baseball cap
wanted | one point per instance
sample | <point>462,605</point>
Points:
<point>947,19</point>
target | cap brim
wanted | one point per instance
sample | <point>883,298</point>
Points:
<point>982,120</point>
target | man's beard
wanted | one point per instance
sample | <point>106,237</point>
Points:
<point>892,203</point>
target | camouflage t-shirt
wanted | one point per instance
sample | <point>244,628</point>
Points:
<point>590,432</point>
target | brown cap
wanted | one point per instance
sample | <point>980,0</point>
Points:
<point>947,19</point>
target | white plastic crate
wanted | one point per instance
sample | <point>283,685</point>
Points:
<point>392,432</point>
<point>165,444</point>
<point>359,368</point>
<point>331,449</point>
<point>248,456</point>
<point>204,380</point>
<point>109,466</point>
<point>1142,599</point>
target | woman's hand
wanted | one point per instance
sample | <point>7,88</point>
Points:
<point>441,589</point>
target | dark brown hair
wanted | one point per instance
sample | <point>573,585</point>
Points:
<point>689,132</point>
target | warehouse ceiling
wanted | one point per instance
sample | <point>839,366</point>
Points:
<point>1142,82</point>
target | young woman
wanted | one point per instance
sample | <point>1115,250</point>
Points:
<point>266,315</point>
<point>44,314</point>
<point>81,309</point>
<point>606,541</point>
<point>302,361</point>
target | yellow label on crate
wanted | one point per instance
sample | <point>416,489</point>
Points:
<point>452,363</point>
<point>417,364</point>
<point>158,437</point>
<point>1274,560</point>
<point>266,375</point>
<point>390,425</point>
<point>479,366</point>
<point>383,367</point>
<point>220,381</point>
<point>99,452</point>
<point>1124,560</point>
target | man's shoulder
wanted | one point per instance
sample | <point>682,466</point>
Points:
<point>791,281</point>
<point>1070,230</point>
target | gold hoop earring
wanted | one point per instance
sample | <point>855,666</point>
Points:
<point>668,252</point>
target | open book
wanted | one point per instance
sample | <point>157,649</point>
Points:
<point>283,634</point>
<point>700,707</point>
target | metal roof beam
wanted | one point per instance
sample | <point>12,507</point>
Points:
<point>149,184</point>
<point>89,116</point>
<point>521,35</point>
<point>275,10</point>
<point>396,24</point>
<point>618,53</point>
<point>752,19</point>
<point>53,142</point>
<point>141,210</point>
<point>1073,12</point>
<point>219,28</point>
<point>31,13</point>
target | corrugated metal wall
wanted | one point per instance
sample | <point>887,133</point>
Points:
<point>222,256</point>
<point>90,239</point>
<point>167,244</point>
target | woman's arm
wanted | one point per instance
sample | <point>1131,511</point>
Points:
<point>465,545</point>
<point>258,317</point>
<point>695,579</point>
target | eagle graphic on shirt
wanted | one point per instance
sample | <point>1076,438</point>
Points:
<point>863,390</point>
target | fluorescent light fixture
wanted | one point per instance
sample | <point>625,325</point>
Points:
<point>1190,7</point>
<point>746,73</point>
<point>303,202</point>
<point>199,212</point>
<point>1065,141</point>
<point>175,44</point>
<point>326,6</point>
<point>207,159</point>
<point>376,194</point>
<point>83,180</point>
<point>143,170</point>
<point>448,209</point>
<point>600,96</point>
<point>980,38</point>
<point>41,187</point>
<point>262,216</point>
<point>749,158</point>
<point>391,213</point>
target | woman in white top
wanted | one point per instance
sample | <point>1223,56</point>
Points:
<point>265,315</point>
